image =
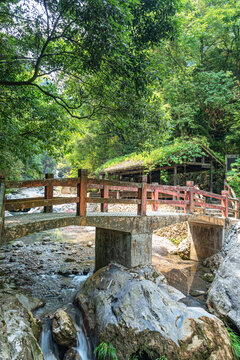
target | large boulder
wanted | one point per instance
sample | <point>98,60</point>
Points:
<point>63,329</point>
<point>213,262</point>
<point>135,310</point>
<point>224,293</point>
<point>17,327</point>
<point>183,249</point>
<point>72,354</point>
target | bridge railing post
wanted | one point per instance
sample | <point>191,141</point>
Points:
<point>224,202</point>
<point>104,195</point>
<point>48,194</point>
<point>155,197</point>
<point>82,193</point>
<point>142,195</point>
<point>2,200</point>
<point>118,194</point>
<point>190,197</point>
<point>237,209</point>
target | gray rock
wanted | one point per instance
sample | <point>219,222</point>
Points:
<point>46,239</point>
<point>124,307</point>
<point>30,303</point>
<point>17,328</point>
<point>209,277</point>
<point>224,293</point>
<point>213,262</point>
<point>18,244</point>
<point>72,354</point>
<point>196,293</point>
<point>189,301</point>
<point>184,249</point>
<point>63,329</point>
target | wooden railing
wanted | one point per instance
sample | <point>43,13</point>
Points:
<point>187,197</point>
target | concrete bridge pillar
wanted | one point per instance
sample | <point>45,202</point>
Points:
<point>122,247</point>
<point>205,240</point>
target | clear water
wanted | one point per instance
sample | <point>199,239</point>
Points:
<point>49,348</point>
<point>85,344</point>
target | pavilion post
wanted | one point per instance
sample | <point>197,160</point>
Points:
<point>175,179</point>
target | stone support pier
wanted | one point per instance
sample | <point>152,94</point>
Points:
<point>122,247</point>
<point>205,240</point>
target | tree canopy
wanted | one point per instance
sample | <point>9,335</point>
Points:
<point>103,79</point>
<point>71,59</point>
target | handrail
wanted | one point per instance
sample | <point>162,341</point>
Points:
<point>229,188</point>
<point>187,197</point>
<point>42,182</point>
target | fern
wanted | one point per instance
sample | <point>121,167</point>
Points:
<point>105,351</point>
<point>235,342</point>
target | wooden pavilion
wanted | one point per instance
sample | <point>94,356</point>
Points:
<point>130,169</point>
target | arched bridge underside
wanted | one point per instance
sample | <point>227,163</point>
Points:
<point>23,225</point>
<point>126,238</point>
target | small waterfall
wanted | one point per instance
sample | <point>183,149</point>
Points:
<point>84,343</point>
<point>49,348</point>
<point>82,346</point>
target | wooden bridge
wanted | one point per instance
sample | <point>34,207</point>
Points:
<point>120,233</point>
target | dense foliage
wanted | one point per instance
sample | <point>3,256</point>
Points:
<point>98,80</point>
<point>63,59</point>
<point>193,90</point>
<point>233,177</point>
<point>199,73</point>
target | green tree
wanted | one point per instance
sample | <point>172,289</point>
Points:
<point>198,73</point>
<point>61,39</point>
<point>70,58</point>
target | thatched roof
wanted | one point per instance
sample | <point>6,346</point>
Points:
<point>178,152</point>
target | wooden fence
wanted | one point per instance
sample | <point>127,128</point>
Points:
<point>187,197</point>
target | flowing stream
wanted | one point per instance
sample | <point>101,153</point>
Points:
<point>49,348</point>
<point>85,345</point>
<point>53,269</point>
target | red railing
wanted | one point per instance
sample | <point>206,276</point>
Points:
<point>189,198</point>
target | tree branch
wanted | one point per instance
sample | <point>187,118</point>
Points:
<point>64,105</point>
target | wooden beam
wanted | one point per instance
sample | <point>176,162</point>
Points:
<point>114,183</point>
<point>71,182</point>
<point>208,194</point>
<point>211,178</point>
<point>82,193</point>
<point>112,201</point>
<point>142,196</point>
<point>48,191</point>
<point>169,202</point>
<point>21,204</point>
<point>104,195</point>
<point>225,203</point>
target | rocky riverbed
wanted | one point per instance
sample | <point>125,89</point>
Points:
<point>52,265</point>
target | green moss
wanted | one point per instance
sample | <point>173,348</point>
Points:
<point>175,241</point>
<point>179,151</point>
